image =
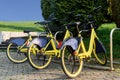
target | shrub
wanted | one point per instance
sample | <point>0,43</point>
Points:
<point>61,8</point>
<point>115,11</point>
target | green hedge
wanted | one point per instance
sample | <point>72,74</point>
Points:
<point>61,8</point>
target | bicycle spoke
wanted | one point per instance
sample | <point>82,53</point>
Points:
<point>36,59</point>
<point>14,55</point>
<point>44,59</point>
<point>71,64</point>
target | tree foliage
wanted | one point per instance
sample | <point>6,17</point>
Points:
<point>115,11</point>
<point>61,8</point>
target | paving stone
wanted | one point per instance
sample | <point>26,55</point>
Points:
<point>12,71</point>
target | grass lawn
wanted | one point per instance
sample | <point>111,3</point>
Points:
<point>103,33</point>
<point>19,26</point>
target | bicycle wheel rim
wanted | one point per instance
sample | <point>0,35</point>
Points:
<point>100,57</point>
<point>13,55</point>
<point>37,60</point>
<point>76,65</point>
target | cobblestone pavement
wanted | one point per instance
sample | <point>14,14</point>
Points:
<point>12,71</point>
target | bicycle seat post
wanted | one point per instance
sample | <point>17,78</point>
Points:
<point>77,24</point>
<point>66,27</point>
<point>29,34</point>
<point>48,28</point>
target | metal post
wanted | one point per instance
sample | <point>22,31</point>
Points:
<point>111,48</point>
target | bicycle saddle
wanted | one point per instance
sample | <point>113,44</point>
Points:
<point>73,24</point>
<point>43,22</point>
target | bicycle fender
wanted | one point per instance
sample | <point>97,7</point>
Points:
<point>99,46</point>
<point>73,42</point>
<point>41,41</point>
<point>18,41</point>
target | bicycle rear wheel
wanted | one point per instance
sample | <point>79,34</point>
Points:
<point>36,59</point>
<point>100,56</point>
<point>71,64</point>
<point>14,54</point>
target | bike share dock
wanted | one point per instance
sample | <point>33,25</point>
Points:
<point>111,67</point>
<point>111,49</point>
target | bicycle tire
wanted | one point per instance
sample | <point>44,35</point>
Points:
<point>100,57</point>
<point>13,54</point>
<point>67,63</point>
<point>35,59</point>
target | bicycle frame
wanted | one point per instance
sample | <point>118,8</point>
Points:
<point>53,42</point>
<point>74,50</point>
<point>21,46</point>
<point>17,49</point>
<point>85,53</point>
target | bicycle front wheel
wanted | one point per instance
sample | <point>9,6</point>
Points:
<point>36,59</point>
<point>100,56</point>
<point>71,64</point>
<point>14,54</point>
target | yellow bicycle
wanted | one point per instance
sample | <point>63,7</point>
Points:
<point>72,55</point>
<point>42,49</point>
<point>17,48</point>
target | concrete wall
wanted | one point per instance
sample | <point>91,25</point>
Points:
<point>5,35</point>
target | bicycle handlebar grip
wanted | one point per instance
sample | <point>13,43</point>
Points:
<point>43,22</point>
<point>74,24</point>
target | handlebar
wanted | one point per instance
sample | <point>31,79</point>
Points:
<point>83,31</point>
<point>72,24</point>
<point>55,35</point>
<point>89,19</point>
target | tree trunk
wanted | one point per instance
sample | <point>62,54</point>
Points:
<point>115,7</point>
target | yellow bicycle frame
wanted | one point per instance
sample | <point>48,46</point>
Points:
<point>88,53</point>
<point>53,42</point>
<point>22,48</point>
